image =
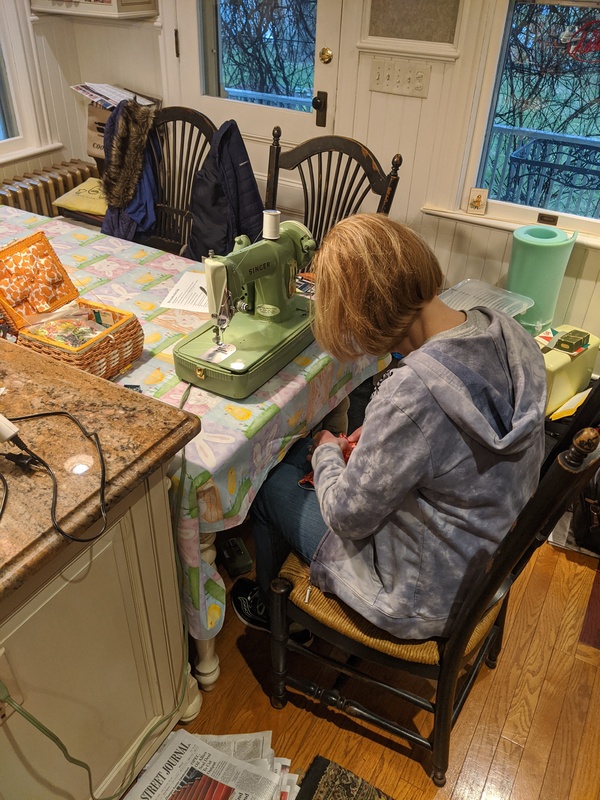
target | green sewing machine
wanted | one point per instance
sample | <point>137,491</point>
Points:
<point>258,321</point>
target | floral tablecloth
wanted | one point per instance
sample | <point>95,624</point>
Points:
<point>240,441</point>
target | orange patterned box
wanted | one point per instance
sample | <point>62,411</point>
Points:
<point>34,284</point>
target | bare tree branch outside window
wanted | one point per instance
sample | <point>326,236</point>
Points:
<point>267,50</point>
<point>544,140</point>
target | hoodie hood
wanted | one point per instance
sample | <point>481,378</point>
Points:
<point>500,414</point>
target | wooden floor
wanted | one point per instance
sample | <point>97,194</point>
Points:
<point>530,729</point>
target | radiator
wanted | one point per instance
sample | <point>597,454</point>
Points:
<point>35,191</point>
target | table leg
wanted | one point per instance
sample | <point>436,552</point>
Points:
<point>208,551</point>
<point>207,667</point>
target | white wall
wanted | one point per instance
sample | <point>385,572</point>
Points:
<point>430,133</point>
<point>74,50</point>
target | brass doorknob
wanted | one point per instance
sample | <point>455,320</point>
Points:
<point>325,55</point>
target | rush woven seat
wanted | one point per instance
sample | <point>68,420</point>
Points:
<point>341,618</point>
<point>353,647</point>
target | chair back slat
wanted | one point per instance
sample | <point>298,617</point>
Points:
<point>336,174</point>
<point>180,141</point>
<point>355,193</point>
<point>332,205</point>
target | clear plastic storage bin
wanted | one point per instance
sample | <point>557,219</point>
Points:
<point>470,293</point>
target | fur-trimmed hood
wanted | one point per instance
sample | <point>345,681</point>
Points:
<point>125,138</point>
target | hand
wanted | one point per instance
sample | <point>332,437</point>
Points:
<point>355,435</point>
<point>342,442</point>
<point>324,436</point>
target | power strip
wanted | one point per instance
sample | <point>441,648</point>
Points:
<point>7,429</point>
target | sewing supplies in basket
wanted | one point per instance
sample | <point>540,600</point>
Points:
<point>43,310</point>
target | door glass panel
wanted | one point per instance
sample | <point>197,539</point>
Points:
<point>543,141</point>
<point>260,51</point>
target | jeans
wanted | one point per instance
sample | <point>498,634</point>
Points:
<point>285,516</point>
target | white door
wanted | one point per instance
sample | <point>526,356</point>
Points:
<point>190,81</point>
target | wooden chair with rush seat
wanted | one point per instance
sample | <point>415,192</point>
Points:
<point>337,174</point>
<point>179,141</point>
<point>451,663</point>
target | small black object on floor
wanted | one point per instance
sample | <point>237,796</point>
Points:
<point>234,555</point>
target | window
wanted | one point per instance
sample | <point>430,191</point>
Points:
<point>260,51</point>
<point>24,129</point>
<point>8,125</point>
<point>542,145</point>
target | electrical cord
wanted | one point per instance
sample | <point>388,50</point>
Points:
<point>32,460</point>
<point>4,493</point>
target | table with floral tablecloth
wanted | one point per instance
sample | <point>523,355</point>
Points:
<point>240,440</point>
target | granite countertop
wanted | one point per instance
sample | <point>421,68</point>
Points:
<point>137,435</point>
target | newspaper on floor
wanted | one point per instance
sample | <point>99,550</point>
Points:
<point>188,767</point>
<point>251,747</point>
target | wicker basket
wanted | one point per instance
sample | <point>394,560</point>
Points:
<point>33,281</point>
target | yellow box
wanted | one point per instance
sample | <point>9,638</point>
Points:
<point>568,374</point>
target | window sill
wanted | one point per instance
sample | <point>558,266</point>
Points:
<point>15,156</point>
<point>487,221</point>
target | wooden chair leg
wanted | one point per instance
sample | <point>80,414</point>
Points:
<point>442,724</point>
<point>441,751</point>
<point>492,656</point>
<point>280,590</point>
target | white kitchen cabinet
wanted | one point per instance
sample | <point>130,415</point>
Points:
<point>93,645</point>
<point>104,9</point>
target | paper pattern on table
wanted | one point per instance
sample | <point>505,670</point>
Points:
<point>188,294</point>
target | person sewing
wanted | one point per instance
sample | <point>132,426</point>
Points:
<point>408,509</point>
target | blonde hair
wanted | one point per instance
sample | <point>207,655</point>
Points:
<point>372,277</point>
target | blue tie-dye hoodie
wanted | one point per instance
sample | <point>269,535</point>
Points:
<point>449,454</point>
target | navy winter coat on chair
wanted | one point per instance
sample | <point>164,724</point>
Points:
<point>226,201</point>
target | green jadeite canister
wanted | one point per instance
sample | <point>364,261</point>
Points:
<point>538,261</point>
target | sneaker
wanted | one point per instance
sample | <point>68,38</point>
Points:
<point>249,604</point>
<point>250,607</point>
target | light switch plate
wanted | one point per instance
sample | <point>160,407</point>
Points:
<point>400,76</point>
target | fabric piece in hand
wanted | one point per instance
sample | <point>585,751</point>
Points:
<point>308,481</point>
<point>326,780</point>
